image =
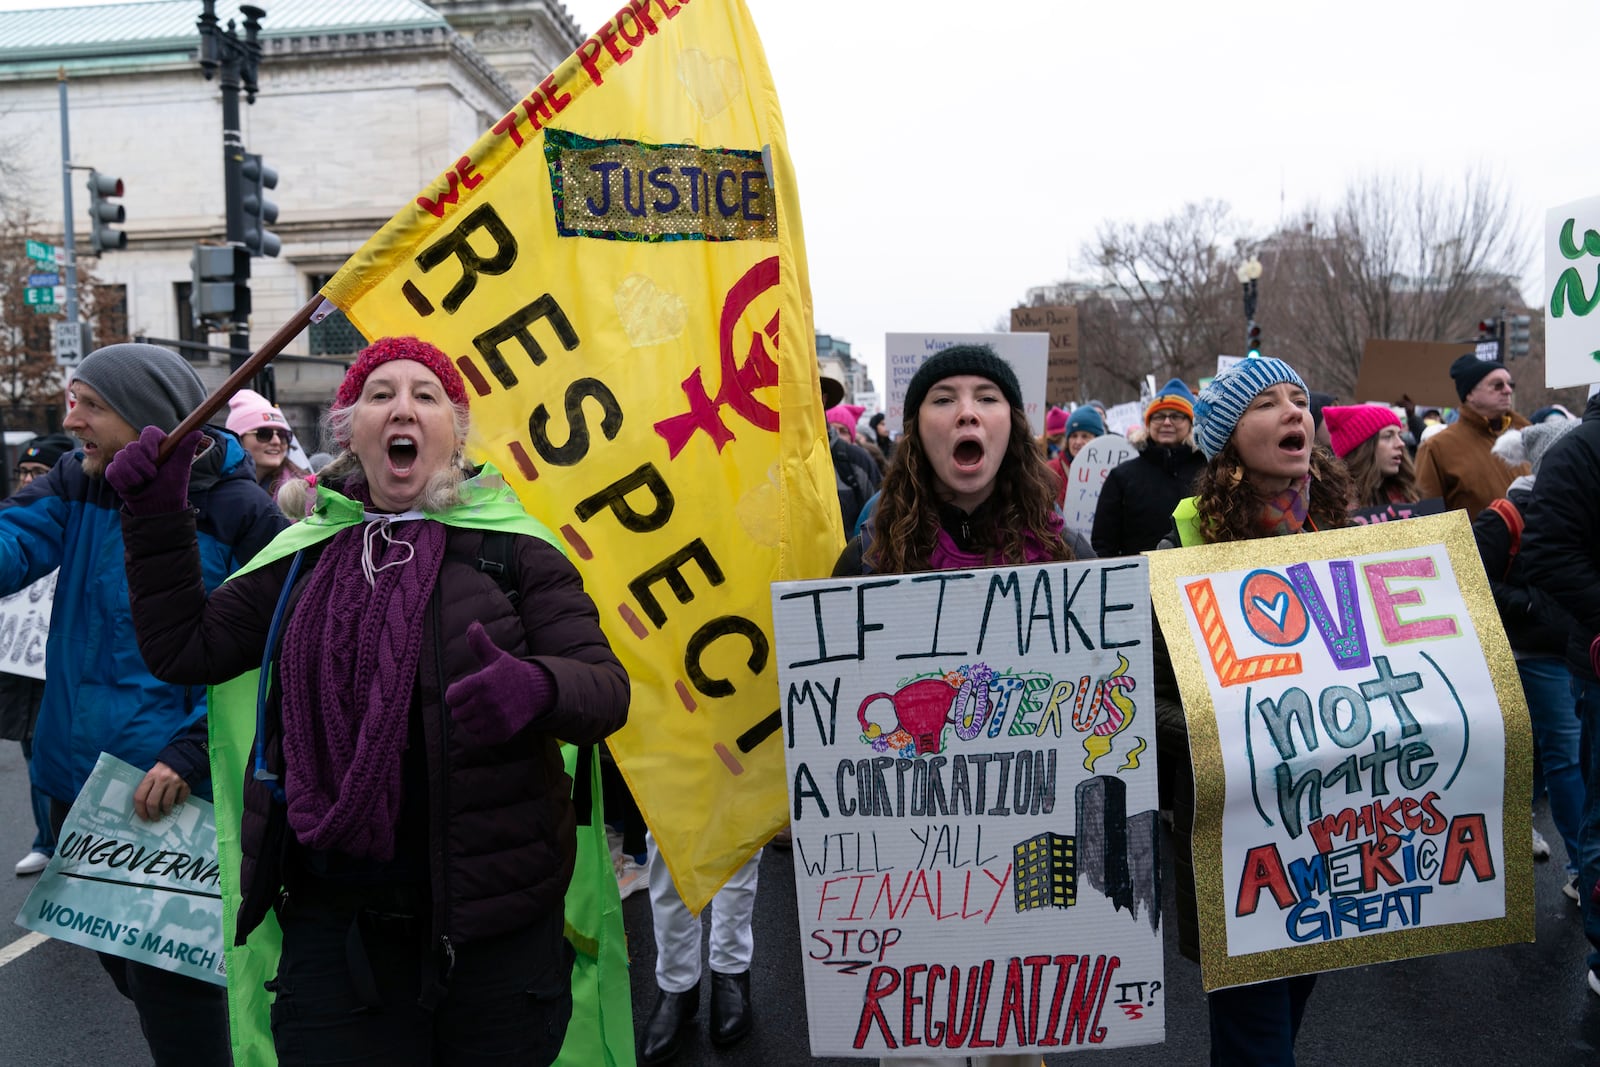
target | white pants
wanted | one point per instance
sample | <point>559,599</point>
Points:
<point>678,930</point>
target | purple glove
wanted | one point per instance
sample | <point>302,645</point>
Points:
<point>1594,655</point>
<point>147,488</point>
<point>500,697</point>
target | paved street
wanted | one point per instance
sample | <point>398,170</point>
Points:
<point>1513,1005</point>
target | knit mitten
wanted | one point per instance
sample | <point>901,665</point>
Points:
<point>146,486</point>
<point>502,696</point>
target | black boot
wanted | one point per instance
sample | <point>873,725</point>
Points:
<point>731,1017</point>
<point>673,1012</point>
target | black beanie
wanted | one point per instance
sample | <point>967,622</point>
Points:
<point>962,359</point>
<point>47,449</point>
<point>1469,370</point>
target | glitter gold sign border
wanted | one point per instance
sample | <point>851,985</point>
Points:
<point>1218,969</point>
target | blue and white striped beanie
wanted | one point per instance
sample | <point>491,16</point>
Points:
<point>1221,403</point>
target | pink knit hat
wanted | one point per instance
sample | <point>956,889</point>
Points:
<point>1055,421</point>
<point>385,349</point>
<point>1349,426</point>
<point>249,410</point>
<point>846,415</point>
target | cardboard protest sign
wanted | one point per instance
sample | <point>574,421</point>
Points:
<point>1061,323</point>
<point>1418,369</point>
<point>617,268</point>
<point>146,891</point>
<point>1361,748</point>
<point>971,758</point>
<point>1088,473</point>
<point>1028,354</point>
<point>1367,516</point>
<point>24,626</point>
<point>1572,291</point>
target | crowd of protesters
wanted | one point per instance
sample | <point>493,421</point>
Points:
<point>409,821</point>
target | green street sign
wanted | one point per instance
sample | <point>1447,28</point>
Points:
<point>39,295</point>
<point>41,252</point>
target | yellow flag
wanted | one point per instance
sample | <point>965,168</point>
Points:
<point>618,270</point>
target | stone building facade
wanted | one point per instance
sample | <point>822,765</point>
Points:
<point>361,103</point>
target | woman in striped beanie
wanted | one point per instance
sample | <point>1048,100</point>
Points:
<point>1264,477</point>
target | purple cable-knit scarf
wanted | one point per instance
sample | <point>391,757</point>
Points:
<point>347,671</point>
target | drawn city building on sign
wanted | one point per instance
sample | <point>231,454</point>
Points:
<point>1046,872</point>
<point>1111,852</point>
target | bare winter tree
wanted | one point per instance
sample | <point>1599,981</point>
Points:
<point>1396,259</point>
<point>1173,283</point>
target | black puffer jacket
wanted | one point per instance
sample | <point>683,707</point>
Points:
<point>1138,497</point>
<point>1561,546</point>
<point>500,826</point>
<point>1536,625</point>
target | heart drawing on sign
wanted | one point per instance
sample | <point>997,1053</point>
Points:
<point>1277,609</point>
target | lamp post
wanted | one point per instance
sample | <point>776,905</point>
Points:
<point>1249,274</point>
<point>235,61</point>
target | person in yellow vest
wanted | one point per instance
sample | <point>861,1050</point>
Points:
<point>1264,477</point>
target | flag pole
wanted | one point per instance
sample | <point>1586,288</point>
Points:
<point>242,376</point>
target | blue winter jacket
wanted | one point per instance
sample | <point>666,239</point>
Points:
<point>98,695</point>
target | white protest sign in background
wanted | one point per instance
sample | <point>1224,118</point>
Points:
<point>1571,294</point>
<point>1028,354</point>
<point>1120,418</point>
<point>144,891</point>
<point>1362,743</point>
<point>24,626</point>
<point>972,772</point>
<point>1087,475</point>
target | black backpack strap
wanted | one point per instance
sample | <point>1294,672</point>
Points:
<point>497,559</point>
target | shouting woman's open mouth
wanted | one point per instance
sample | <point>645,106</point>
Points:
<point>402,453</point>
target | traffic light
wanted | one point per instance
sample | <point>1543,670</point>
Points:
<point>259,212</point>
<point>102,212</point>
<point>1252,347</point>
<point>219,291</point>
<point>1517,338</point>
<point>1488,329</point>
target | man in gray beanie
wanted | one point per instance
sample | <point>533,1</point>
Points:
<point>98,695</point>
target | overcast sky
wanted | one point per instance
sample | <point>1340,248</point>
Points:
<point>952,154</point>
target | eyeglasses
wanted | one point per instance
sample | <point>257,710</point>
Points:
<point>1502,387</point>
<point>1169,416</point>
<point>23,475</point>
<point>265,435</point>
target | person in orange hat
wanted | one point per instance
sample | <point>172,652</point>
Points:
<point>1136,501</point>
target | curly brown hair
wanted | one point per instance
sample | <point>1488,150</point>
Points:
<point>1228,505</point>
<point>905,523</point>
<point>1370,487</point>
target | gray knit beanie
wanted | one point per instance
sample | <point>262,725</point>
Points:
<point>146,384</point>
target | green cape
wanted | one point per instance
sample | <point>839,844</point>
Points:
<point>600,1033</point>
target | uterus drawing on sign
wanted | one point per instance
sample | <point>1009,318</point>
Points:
<point>973,700</point>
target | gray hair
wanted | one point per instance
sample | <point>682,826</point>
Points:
<point>443,489</point>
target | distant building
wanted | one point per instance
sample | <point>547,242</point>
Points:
<point>834,361</point>
<point>360,106</point>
